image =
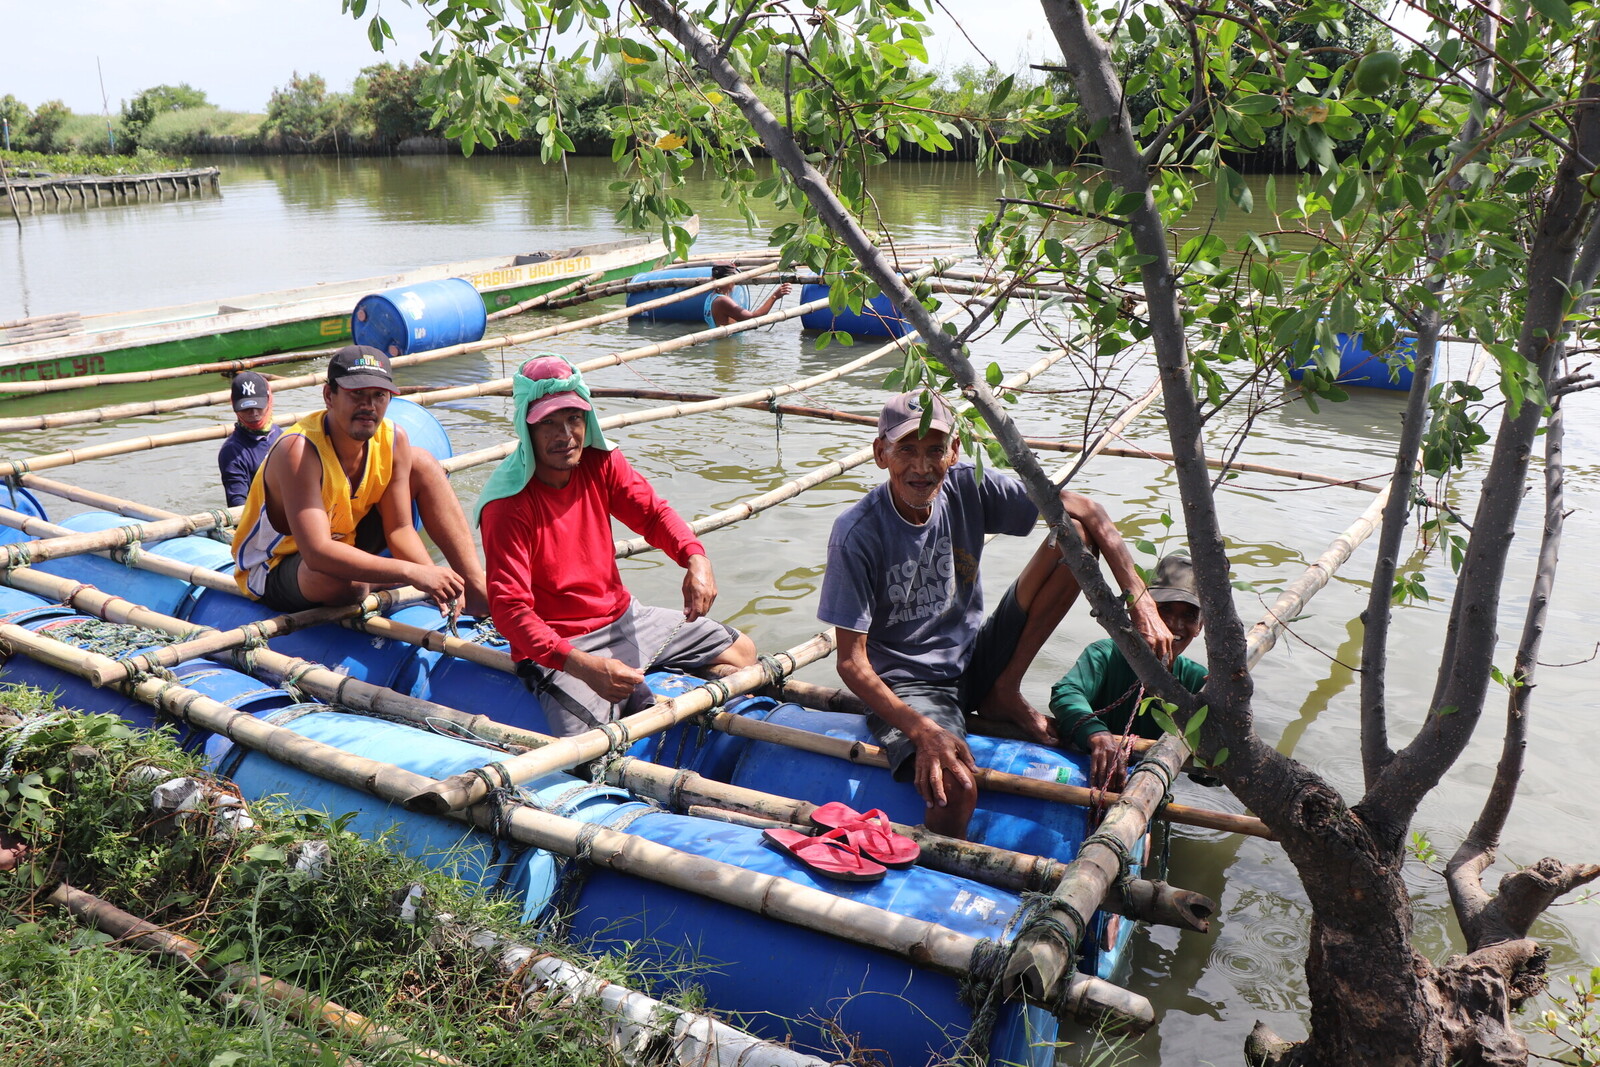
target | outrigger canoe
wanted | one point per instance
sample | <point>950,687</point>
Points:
<point>313,316</point>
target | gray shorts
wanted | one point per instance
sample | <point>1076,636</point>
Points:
<point>570,707</point>
<point>949,702</point>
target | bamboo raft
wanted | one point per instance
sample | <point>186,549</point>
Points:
<point>366,708</point>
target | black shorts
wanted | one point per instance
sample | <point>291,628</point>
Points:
<point>283,581</point>
<point>949,702</point>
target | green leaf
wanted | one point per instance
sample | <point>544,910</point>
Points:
<point>1557,11</point>
<point>993,375</point>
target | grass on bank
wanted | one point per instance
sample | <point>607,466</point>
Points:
<point>39,164</point>
<point>68,997</point>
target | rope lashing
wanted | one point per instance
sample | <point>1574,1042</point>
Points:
<point>675,788</point>
<point>980,991</point>
<point>585,851</point>
<point>18,555</point>
<point>290,683</point>
<point>72,595</point>
<point>18,736</point>
<point>220,518</point>
<point>720,693</point>
<point>1117,848</point>
<point>499,770</point>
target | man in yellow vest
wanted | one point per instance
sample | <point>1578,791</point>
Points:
<point>336,490</point>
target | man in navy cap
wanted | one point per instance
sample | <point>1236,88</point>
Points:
<point>903,595</point>
<point>254,434</point>
<point>336,490</point>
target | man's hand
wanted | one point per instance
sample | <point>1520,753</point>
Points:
<point>1147,620</point>
<point>443,585</point>
<point>942,758</point>
<point>1007,704</point>
<point>1106,769</point>
<point>611,679</point>
<point>699,588</point>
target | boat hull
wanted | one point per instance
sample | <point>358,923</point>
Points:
<point>289,320</point>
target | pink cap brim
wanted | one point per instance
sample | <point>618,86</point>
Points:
<point>555,402</point>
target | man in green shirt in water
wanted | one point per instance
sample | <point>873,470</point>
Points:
<point>1100,696</point>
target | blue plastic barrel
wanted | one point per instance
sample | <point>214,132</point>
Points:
<point>440,842</point>
<point>466,686</point>
<point>783,980</point>
<point>366,657</point>
<point>223,684</point>
<point>690,309</point>
<point>877,317</point>
<point>1362,367</point>
<point>420,317</point>
<point>18,499</point>
<point>421,426</point>
<point>166,595</point>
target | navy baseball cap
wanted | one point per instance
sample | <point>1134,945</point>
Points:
<point>250,391</point>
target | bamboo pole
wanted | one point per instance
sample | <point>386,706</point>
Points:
<point>870,755</point>
<point>130,508</point>
<point>468,788</point>
<point>73,544</point>
<point>545,298</point>
<point>634,1020</point>
<point>310,1008</point>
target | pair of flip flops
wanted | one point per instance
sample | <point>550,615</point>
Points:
<point>853,847</point>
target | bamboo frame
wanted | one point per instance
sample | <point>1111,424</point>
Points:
<point>921,943</point>
<point>470,787</point>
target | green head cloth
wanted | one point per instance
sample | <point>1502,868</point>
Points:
<point>538,378</point>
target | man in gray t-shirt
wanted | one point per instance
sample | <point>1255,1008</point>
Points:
<point>902,590</point>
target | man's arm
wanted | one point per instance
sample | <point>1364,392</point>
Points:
<point>1101,533</point>
<point>1073,703</point>
<point>236,478</point>
<point>444,585</point>
<point>508,535</point>
<point>294,479</point>
<point>635,503</point>
<point>941,756</point>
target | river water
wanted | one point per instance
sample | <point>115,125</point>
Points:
<point>291,222</point>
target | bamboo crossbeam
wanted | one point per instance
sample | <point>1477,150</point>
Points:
<point>20,554</point>
<point>310,1008</point>
<point>921,943</point>
<point>463,790</point>
<point>869,755</point>
<point>756,504</point>
<point>545,298</point>
<point>78,495</point>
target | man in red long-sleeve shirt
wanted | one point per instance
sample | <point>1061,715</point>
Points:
<point>579,638</point>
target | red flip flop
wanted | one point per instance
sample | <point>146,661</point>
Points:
<point>830,854</point>
<point>870,832</point>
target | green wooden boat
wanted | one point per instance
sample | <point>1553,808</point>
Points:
<point>312,316</point>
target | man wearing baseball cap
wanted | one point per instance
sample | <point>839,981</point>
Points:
<point>903,594</point>
<point>579,638</point>
<point>253,436</point>
<point>336,490</point>
<point>1101,694</point>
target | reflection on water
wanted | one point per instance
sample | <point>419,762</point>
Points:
<point>290,222</point>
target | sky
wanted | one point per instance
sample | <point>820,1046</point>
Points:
<point>238,51</point>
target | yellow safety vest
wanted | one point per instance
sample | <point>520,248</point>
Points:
<point>258,547</point>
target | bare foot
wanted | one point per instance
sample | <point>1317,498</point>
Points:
<point>1008,705</point>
